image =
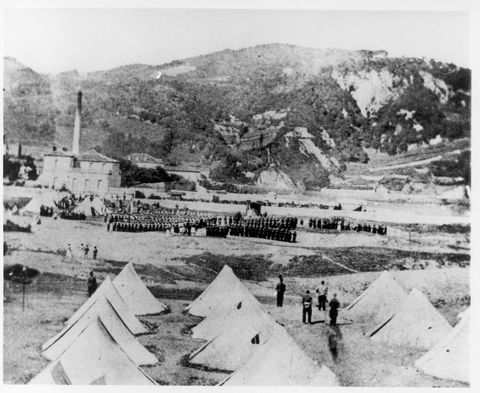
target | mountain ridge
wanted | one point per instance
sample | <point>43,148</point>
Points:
<point>239,112</point>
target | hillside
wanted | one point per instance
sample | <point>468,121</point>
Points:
<point>266,115</point>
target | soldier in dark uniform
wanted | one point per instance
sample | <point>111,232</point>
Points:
<point>334,306</point>
<point>91,284</point>
<point>280,288</point>
<point>307,307</point>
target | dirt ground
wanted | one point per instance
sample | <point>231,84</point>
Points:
<point>177,269</point>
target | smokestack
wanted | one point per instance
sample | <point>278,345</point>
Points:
<point>76,128</point>
<point>19,150</point>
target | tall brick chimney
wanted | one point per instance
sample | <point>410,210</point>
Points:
<point>76,129</point>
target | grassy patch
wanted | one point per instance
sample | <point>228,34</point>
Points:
<point>369,259</point>
<point>144,270</point>
<point>246,267</point>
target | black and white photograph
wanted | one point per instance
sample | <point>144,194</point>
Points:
<point>238,196</point>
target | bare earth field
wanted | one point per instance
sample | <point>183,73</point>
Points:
<point>431,258</point>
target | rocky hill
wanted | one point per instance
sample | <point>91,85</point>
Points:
<point>266,115</point>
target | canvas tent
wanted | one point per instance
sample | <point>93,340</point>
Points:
<point>449,358</point>
<point>378,302</point>
<point>232,347</point>
<point>94,357</point>
<point>33,207</point>
<point>281,362</point>
<point>416,323</point>
<point>226,316</point>
<point>102,308</point>
<point>108,290</point>
<point>464,313</point>
<point>135,294</point>
<point>91,207</point>
<point>226,286</point>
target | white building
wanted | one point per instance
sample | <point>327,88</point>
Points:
<point>87,172</point>
<point>90,172</point>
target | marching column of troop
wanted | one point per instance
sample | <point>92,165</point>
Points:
<point>340,224</point>
<point>272,228</point>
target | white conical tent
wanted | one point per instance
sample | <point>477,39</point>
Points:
<point>464,313</point>
<point>116,328</point>
<point>94,357</point>
<point>33,207</point>
<point>108,290</point>
<point>226,286</point>
<point>233,347</point>
<point>416,323</point>
<point>378,302</point>
<point>226,316</point>
<point>135,294</point>
<point>53,374</point>
<point>280,362</point>
<point>449,358</point>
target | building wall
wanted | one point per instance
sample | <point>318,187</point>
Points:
<point>96,178</point>
<point>57,163</point>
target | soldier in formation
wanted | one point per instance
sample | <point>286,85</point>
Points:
<point>340,224</point>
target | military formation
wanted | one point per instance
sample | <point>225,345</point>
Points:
<point>272,228</point>
<point>156,218</point>
<point>340,224</point>
<point>72,216</point>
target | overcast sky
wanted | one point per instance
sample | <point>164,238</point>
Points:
<point>53,40</point>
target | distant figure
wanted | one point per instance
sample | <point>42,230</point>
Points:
<point>322,292</point>
<point>92,284</point>
<point>280,291</point>
<point>69,254</point>
<point>85,255</point>
<point>334,305</point>
<point>307,307</point>
<point>95,252</point>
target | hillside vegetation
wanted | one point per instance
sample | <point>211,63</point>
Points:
<point>251,115</point>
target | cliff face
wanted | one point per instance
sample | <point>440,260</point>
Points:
<point>273,111</point>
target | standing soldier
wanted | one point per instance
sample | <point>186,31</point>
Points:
<point>69,253</point>
<point>322,291</point>
<point>307,307</point>
<point>280,291</point>
<point>91,284</point>
<point>334,305</point>
<point>95,252</point>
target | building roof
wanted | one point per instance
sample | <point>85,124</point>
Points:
<point>144,158</point>
<point>95,156</point>
<point>60,153</point>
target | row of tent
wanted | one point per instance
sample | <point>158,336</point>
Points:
<point>89,207</point>
<point>97,344</point>
<point>395,318</point>
<point>243,339</point>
